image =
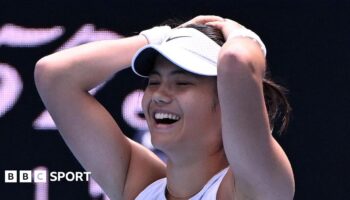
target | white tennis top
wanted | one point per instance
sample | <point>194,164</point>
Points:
<point>156,191</point>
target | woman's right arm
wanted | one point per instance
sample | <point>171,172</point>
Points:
<point>63,80</point>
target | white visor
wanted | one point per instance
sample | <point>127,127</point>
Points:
<point>187,48</point>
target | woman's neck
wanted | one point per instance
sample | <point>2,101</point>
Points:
<point>186,179</point>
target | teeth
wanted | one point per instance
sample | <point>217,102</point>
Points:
<point>166,116</point>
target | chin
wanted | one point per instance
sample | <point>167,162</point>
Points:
<point>164,144</point>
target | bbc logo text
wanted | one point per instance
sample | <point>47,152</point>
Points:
<point>43,176</point>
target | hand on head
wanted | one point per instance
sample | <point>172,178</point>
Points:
<point>226,26</point>
<point>231,29</point>
<point>202,19</point>
<point>223,24</point>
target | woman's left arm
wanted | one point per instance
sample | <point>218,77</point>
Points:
<point>261,169</point>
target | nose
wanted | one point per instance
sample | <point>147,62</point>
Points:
<point>162,96</point>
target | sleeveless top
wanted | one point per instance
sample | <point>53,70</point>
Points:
<point>156,191</point>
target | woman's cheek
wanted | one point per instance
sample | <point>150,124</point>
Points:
<point>145,102</point>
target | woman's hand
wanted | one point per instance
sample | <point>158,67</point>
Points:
<point>231,29</point>
<point>202,19</point>
<point>226,26</point>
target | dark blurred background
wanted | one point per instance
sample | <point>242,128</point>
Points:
<point>307,52</point>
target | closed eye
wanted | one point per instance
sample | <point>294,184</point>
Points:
<point>153,82</point>
<point>183,83</point>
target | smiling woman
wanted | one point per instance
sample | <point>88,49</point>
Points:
<point>186,97</point>
<point>204,104</point>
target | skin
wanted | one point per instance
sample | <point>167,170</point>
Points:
<point>171,89</point>
<point>259,168</point>
<point>195,139</point>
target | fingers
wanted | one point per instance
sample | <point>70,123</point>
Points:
<point>222,26</point>
<point>216,24</point>
<point>225,22</point>
<point>226,26</point>
<point>203,19</point>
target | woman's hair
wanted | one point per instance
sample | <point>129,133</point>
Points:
<point>276,101</point>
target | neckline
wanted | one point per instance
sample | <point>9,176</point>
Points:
<point>167,191</point>
<point>201,192</point>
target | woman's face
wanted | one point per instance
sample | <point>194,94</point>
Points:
<point>181,108</point>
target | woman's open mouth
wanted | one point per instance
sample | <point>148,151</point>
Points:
<point>165,118</point>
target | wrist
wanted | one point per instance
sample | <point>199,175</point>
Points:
<point>243,32</point>
<point>156,35</point>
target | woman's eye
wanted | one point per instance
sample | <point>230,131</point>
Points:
<point>153,82</point>
<point>183,83</point>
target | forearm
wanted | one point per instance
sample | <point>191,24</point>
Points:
<point>260,165</point>
<point>244,116</point>
<point>87,65</point>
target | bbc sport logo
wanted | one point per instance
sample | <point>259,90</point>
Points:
<point>43,176</point>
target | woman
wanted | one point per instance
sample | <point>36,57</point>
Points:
<point>211,122</point>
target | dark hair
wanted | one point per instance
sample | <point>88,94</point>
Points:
<point>276,101</point>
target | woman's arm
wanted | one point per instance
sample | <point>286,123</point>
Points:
<point>63,80</point>
<point>260,167</point>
